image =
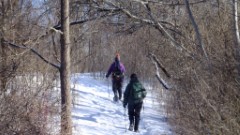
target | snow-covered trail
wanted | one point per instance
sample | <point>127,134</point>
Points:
<point>94,112</point>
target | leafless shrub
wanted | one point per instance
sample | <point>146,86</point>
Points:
<point>206,96</point>
<point>28,105</point>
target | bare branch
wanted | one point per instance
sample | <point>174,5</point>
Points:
<point>34,51</point>
<point>57,31</point>
<point>157,2</point>
<point>55,50</point>
<point>110,12</point>
<point>158,65</point>
<point>155,24</point>
<point>196,29</point>
<point>79,61</point>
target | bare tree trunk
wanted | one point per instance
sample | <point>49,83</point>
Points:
<point>198,35</point>
<point>66,121</point>
<point>3,62</point>
<point>236,34</point>
<point>3,57</point>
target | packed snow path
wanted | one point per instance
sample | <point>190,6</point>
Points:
<point>94,112</point>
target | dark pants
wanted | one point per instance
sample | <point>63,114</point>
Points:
<point>134,111</point>
<point>117,88</point>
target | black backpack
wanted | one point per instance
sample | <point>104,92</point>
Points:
<point>117,73</point>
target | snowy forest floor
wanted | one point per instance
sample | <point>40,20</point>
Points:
<point>94,112</point>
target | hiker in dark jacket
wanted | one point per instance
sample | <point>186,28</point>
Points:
<point>117,70</point>
<point>133,97</point>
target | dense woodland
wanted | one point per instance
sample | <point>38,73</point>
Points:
<point>191,48</point>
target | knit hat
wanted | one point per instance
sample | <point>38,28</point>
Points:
<point>117,58</point>
<point>133,76</point>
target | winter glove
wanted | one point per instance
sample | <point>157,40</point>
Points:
<point>107,76</point>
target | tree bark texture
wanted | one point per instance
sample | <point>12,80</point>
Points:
<point>66,121</point>
<point>3,57</point>
<point>236,34</point>
<point>3,66</point>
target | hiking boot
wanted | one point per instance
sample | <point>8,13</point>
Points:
<point>136,125</point>
<point>120,97</point>
<point>115,98</point>
<point>130,127</point>
<point>137,131</point>
<point>120,100</point>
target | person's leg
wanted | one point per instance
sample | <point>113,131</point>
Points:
<point>114,89</point>
<point>137,108</point>
<point>131,116</point>
<point>119,89</point>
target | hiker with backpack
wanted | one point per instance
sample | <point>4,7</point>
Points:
<point>117,70</point>
<point>133,97</point>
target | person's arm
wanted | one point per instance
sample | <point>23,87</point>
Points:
<point>110,70</point>
<point>126,95</point>
<point>122,68</point>
<point>144,92</point>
